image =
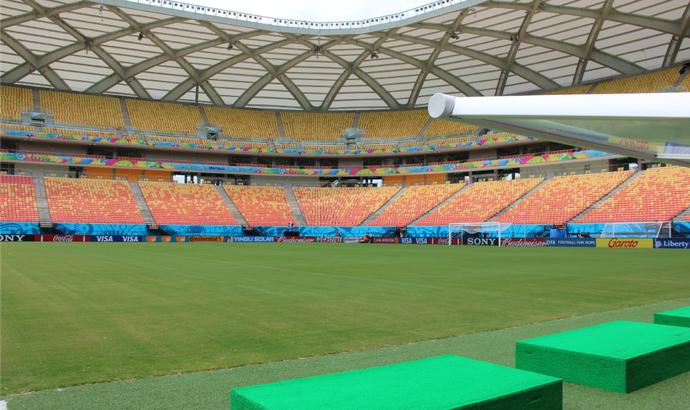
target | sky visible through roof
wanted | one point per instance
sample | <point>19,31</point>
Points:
<point>315,10</point>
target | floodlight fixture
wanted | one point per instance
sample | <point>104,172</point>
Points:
<point>230,46</point>
<point>454,35</point>
<point>374,54</point>
<point>141,35</point>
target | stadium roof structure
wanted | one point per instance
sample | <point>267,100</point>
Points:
<point>173,51</point>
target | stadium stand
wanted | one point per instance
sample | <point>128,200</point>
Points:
<point>413,144</point>
<point>244,124</point>
<point>12,100</point>
<point>341,206</point>
<point>15,127</point>
<point>480,202</point>
<point>261,206</point>
<point>186,204</point>
<point>83,110</point>
<point>563,198</point>
<point>301,126</point>
<point>369,147</point>
<point>198,141</point>
<point>286,146</point>
<point>163,118</point>
<point>657,81</point>
<point>392,125</point>
<point>659,194</point>
<point>441,128</point>
<point>18,199</point>
<point>91,201</point>
<point>259,145</point>
<point>330,148</point>
<point>415,202</point>
<point>79,133</point>
<point>451,141</point>
<point>684,86</point>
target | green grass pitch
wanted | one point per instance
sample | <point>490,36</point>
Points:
<point>83,313</point>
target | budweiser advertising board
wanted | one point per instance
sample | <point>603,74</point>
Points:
<point>295,239</point>
<point>65,238</point>
<point>523,242</point>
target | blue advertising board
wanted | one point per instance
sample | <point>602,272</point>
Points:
<point>680,243</point>
<point>414,241</point>
<point>572,242</point>
<point>117,238</point>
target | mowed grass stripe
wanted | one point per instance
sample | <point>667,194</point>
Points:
<point>76,313</point>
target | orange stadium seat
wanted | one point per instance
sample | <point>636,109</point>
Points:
<point>178,140</point>
<point>414,203</point>
<point>563,198</point>
<point>302,126</point>
<point>15,127</point>
<point>244,124</point>
<point>453,140</point>
<point>659,194</point>
<point>12,100</point>
<point>392,125</point>
<point>83,110</point>
<point>442,128</point>
<point>571,91</point>
<point>480,201</point>
<point>91,201</point>
<point>163,118</point>
<point>341,206</point>
<point>186,204</point>
<point>658,81</point>
<point>79,133</point>
<point>18,199</point>
<point>261,206</point>
<point>332,148</point>
<point>374,146</point>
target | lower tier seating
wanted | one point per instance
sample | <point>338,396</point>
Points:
<point>563,198</point>
<point>341,206</point>
<point>18,199</point>
<point>659,194</point>
<point>186,204</point>
<point>480,202</point>
<point>261,206</point>
<point>415,202</point>
<point>91,201</point>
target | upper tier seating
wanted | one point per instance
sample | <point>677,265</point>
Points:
<point>286,146</point>
<point>91,201</point>
<point>82,109</point>
<point>563,198</point>
<point>392,125</point>
<point>658,81</point>
<point>480,201</point>
<point>684,86</point>
<point>261,145</point>
<point>441,128</point>
<point>261,206</point>
<point>178,140</point>
<point>186,204</point>
<point>341,206</point>
<point>415,202</point>
<point>451,141</point>
<point>18,199</point>
<point>659,194</point>
<point>163,118</point>
<point>369,147</point>
<point>79,133</point>
<point>571,91</point>
<point>332,148</point>
<point>301,126</point>
<point>12,100</point>
<point>244,124</point>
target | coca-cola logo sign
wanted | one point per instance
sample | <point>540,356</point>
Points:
<point>523,242</point>
<point>65,238</point>
<point>444,241</point>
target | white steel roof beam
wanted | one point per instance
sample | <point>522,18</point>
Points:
<point>32,62</point>
<point>33,15</point>
<point>591,40</point>
<point>514,47</point>
<point>676,41</point>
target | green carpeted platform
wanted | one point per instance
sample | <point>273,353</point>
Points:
<point>618,356</point>
<point>677,317</point>
<point>438,383</point>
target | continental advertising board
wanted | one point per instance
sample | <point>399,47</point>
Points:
<point>625,243</point>
<point>206,238</point>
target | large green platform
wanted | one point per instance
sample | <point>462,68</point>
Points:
<point>677,317</point>
<point>439,383</point>
<point>617,356</point>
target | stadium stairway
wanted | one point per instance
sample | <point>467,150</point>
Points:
<point>143,207</point>
<point>296,212</point>
<point>125,115</point>
<point>681,216</point>
<point>606,197</point>
<point>44,219</point>
<point>439,205</point>
<point>379,211</point>
<point>231,206</point>
<point>522,198</point>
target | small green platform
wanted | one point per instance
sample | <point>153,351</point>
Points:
<point>617,356</point>
<point>439,383</point>
<point>677,317</point>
